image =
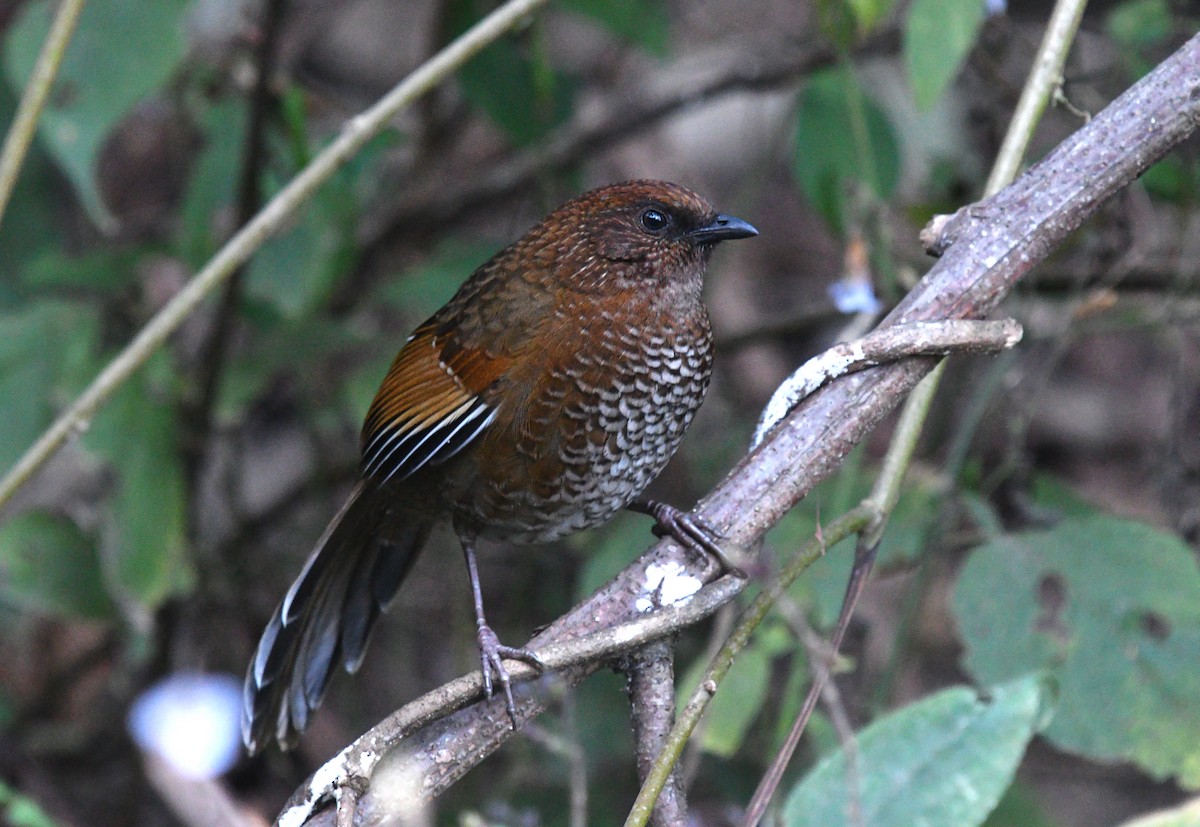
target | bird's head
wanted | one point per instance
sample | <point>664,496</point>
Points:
<point>637,230</point>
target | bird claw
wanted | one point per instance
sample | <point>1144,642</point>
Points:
<point>491,657</point>
<point>689,531</point>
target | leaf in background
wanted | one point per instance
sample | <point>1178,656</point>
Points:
<point>644,22</point>
<point>32,224</point>
<point>212,186</point>
<point>121,51</point>
<point>296,271</point>
<point>1112,608</point>
<point>519,92</point>
<point>869,13</point>
<point>19,810</point>
<point>1019,807</point>
<point>100,272</point>
<point>275,351</point>
<point>842,137</point>
<point>1138,26</point>
<point>938,34</point>
<point>945,760</point>
<point>39,347</point>
<point>429,285</point>
<point>143,543</point>
<point>47,564</point>
<point>738,701</point>
<point>741,697</point>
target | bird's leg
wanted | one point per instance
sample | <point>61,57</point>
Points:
<point>491,651</point>
<point>688,530</point>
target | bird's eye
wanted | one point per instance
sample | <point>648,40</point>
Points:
<point>653,221</point>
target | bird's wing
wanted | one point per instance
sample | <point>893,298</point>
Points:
<point>429,407</point>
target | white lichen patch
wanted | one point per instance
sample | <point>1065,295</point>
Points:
<point>666,584</point>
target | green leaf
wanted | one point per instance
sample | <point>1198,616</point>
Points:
<point>512,82</point>
<point>102,271</point>
<point>121,51</point>
<point>143,542</point>
<point>295,272</point>
<point>47,564</point>
<point>822,587</point>
<point>212,185</point>
<point>274,351</point>
<point>1019,807</point>
<point>1112,608</point>
<point>938,34</point>
<point>644,22</point>
<point>39,345</point>
<point>842,137</point>
<point>18,810</point>
<point>429,285</point>
<point>1137,27</point>
<point>32,224</point>
<point>945,760</point>
<point>869,13</point>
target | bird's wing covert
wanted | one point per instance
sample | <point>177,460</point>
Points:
<point>429,406</point>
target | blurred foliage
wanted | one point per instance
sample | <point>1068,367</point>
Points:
<point>1094,617</point>
<point>17,810</point>
<point>1111,609</point>
<point>48,565</point>
<point>843,142</point>
<point>938,34</point>
<point>943,762</point>
<point>101,78</point>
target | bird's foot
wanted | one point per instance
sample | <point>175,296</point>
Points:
<point>491,657</point>
<point>688,530</point>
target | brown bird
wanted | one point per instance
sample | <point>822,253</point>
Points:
<point>542,399</point>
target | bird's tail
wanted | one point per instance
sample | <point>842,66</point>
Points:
<point>350,577</point>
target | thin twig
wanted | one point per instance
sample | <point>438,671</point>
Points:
<point>37,90</point>
<point>238,249</point>
<point>887,344</point>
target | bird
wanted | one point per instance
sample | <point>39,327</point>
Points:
<point>540,400</point>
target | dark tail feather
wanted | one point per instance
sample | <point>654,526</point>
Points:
<point>326,618</point>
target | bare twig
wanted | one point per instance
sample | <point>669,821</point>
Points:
<point>888,344</point>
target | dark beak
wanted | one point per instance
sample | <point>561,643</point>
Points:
<point>723,228</point>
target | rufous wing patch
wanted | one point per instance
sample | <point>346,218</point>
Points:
<point>429,406</point>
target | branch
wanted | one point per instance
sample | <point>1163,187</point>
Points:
<point>887,344</point>
<point>238,249</point>
<point>652,703</point>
